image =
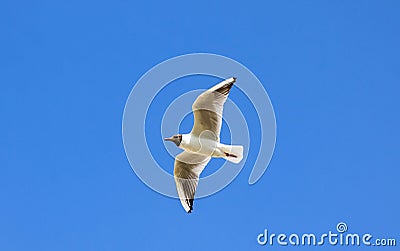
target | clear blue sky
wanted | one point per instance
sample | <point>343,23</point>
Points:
<point>331,69</point>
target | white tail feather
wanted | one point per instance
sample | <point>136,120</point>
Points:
<point>233,153</point>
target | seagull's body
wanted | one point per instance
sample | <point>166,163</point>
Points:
<point>202,142</point>
<point>203,145</point>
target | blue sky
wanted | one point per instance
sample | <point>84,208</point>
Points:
<point>331,69</point>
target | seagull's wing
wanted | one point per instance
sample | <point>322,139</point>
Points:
<point>187,169</point>
<point>208,107</point>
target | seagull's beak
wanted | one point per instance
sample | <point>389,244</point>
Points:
<point>168,139</point>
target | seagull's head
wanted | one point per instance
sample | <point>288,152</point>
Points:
<point>177,139</point>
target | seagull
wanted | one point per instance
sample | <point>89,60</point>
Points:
<point>203,142</point>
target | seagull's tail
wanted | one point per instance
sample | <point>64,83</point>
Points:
<point>233,153</point>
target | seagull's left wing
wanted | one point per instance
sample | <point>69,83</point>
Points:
<point>208,108</point>
<point>187,169</point>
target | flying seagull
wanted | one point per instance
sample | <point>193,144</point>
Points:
<point>202,142</point>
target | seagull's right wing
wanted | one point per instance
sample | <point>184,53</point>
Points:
<point>187,169</point>
<point>208,108</point>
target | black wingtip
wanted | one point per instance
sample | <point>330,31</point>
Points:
<point>190,204</point>
<point>225,89</point>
